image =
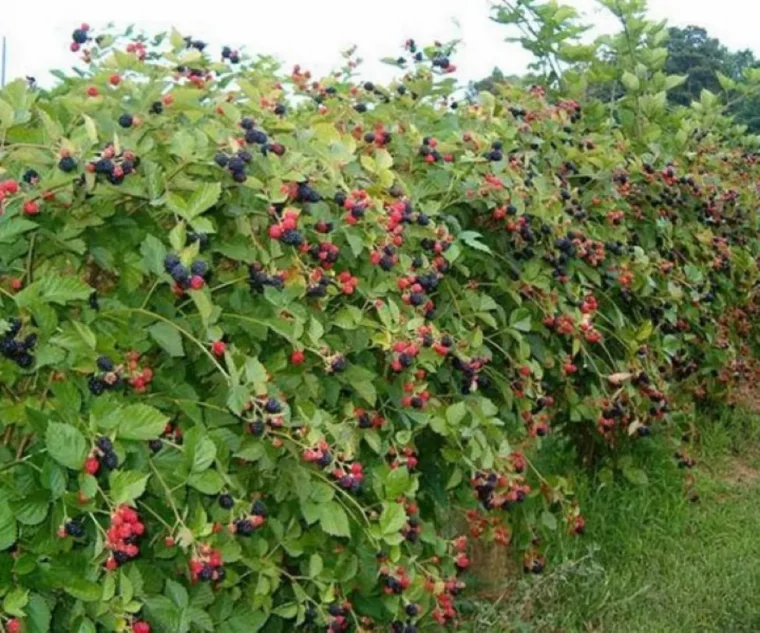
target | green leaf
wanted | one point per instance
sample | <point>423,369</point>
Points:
<point>635,476</point>
<point>32,508</point>
<point>456,413</point>
<point>37,615</point>
<point>12,227</point>
<point>7,115</point>
<point>549,520</point>
<point>366,390</point>
<point>153,254</point>
<point>140,422</point>
<point>53,288</point>
<point>333,519</point>
<point>209,482</point>
<point>470,238</point>
<point>84,590</point>
<point>392,518</point>
<point>204,197</point>
<point>127,485</point>
<point>631,82</point>
<point>15,601</point>
<point>66,445</point>
<point>203,455</point>
<point>168,337</point>
<point>315,565</point>
<point>203,304</point>
<point>520,320</point>
<point>397,483</point>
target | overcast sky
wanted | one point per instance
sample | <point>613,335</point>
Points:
<point>312,32</point>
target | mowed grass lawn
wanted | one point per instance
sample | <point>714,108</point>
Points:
<point>668,557</point>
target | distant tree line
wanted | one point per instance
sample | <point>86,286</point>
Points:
<point>702,59</point>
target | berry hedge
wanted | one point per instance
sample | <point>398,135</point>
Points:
<point>265,337</point>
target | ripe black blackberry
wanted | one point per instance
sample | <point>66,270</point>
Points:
<point>244,527</point>
<point>258,508</point>
<point>74,528</point>
<point>79,36</point>
<point>126,120</point>
<point>110,460</point>
<point>67,164</point>
<point>273,406</point>
<point>257,428</point>
<point>96,385</point>
<point>105,364</point>
<point>156,107</point>
<point>226,501</point>
<point>105,444</point>
<point>30,176</point>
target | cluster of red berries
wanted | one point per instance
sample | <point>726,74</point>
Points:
<point>113,166</point>
<point>355,203</point>
<point>320,454</point>
<point>494,490</point>
<point>404,353</point>
<point>123,536</point>
<point>406,457</point>
<point>79,36</point>
<point>13,625</point>
<point>286,230</point>
<point>193,278</point>
<point>413,526</point>
<point>394,581</point>
<point>368,420</point>
<point>208,566</point>
<point>7,188</point>
<point>562,324</point>
<point>325,253</point>
<point>140,378</point>
<point>349,476</point>
<point>102,455</point>
<point>246,526</point>
<point>414,398</point>
<point>109,377</point>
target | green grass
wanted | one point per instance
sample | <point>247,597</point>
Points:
<point>653,560</point>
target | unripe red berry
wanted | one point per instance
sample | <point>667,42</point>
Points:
<point>218,348</point>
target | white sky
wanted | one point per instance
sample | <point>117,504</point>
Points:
<point>313,32</point>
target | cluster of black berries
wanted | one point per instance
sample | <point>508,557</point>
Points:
<point>201,238</point>
<point>109,379</point>
<point>18,350</point>
<point>337,364</point>
<point>248,525</point>
<point>318,289</point>
<point>235,163</point>
<point>78,37</point>
<point>496,153</point>
<point>108,457</point>
<point>114,167</point>
<point>258,279</point>
<point>67,164</point>
<point>306,193</point>
<point>326,253</point>
<point>428,151</point>
<point>171,432</point>
<point>258,137</point>
<point>30,177</point>
<point>232,56</point>
<point>412,611</point>
<point>442,62</point>
<point>196,44</point>
<point>195,277</point>
<point>472,379</point>
<point>74,528</point>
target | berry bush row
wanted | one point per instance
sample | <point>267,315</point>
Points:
<point>276,349</point>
